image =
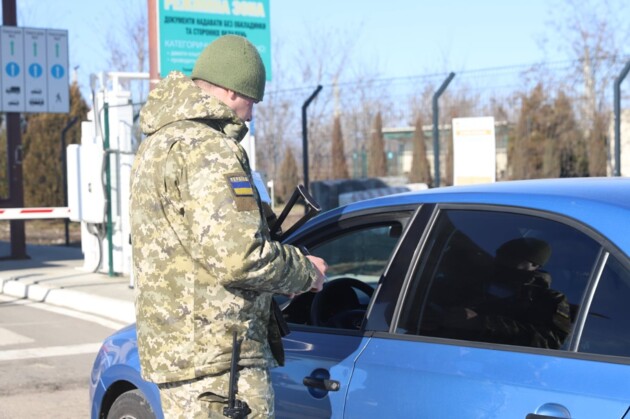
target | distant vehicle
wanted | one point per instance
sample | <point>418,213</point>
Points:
<point>13,89</point>
<point>414,322</point>
<point>36,91</point>
<point>39,102</point>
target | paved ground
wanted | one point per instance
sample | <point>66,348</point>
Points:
<point>55,275</point>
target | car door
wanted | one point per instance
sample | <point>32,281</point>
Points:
<point>462,343</point>
<point>325,341</point>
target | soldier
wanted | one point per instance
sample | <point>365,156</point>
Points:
<point>203,260</point>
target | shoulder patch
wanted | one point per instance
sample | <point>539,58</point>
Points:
<point>242,191</point>
<point>240,185</point>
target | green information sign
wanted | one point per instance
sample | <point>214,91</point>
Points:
<point>185,27</point>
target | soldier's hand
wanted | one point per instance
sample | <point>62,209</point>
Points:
<point>321,267</point>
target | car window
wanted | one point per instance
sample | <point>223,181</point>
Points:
<point>356,259</point>
<point>361,254</point>
<point>499,277</point>
<point>606,329</point>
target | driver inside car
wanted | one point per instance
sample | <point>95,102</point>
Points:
<point>515,305</point>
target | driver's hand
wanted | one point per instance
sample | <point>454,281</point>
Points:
<point>321,267</point>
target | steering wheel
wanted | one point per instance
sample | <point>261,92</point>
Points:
<point>337,304</point>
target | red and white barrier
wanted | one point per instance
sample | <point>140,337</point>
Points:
<point>33,213</point>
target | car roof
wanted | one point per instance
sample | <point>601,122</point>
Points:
<point>602,203</point>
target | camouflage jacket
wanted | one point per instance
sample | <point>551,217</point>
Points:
<point>203,261</point>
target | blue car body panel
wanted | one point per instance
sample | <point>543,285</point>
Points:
<point>389,375</point>
<point>117,361</point>
<point>318,355</point>
<point>420,378</point>
<point>584,199</point>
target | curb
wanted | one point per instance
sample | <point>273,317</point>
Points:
<point>111,308</point>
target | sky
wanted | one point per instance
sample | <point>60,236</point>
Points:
<point>400,37</point>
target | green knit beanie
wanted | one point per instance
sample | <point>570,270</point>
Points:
<point>232,62</point>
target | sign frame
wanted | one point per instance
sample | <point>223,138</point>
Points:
<point>185,28</point>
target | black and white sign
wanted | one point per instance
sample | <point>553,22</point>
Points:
<point>12,64</point>
<point>35,70</point>
<point>58,86</point>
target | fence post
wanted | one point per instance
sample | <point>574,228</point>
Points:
<point>436,129</point>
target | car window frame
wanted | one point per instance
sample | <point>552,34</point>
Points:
<point>344,223</point>
<point>425,226</point>
<point>606,254</point>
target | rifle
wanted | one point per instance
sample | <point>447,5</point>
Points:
<point>311,209</point>
<point>236,409</point>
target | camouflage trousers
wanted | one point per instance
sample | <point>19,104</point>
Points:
<point>206,397</point>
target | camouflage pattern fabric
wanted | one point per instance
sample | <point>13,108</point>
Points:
<point>203,261</point>
<point>206,397</point>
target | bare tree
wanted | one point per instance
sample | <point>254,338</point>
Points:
<point>361,101</point>
<point>349,91</point>
<point>128,46</point>
<point>595,31</point>
<point>276,119</point>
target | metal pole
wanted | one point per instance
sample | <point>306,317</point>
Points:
<point>618,81</point>
<point>108,192</point>
<point>14,156</point>
<point>436,129</point>
<point>305,134</point>
<point>64,168</point>
<point>154,73</point>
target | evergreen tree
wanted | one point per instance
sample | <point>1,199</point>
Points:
<point>449,162</point>
<point>548,141</point>
<point>288,177</point>
<point>526,150</point>
<point>377,165</point>
<point>420,169</point>
<point>339,164</point>
<point>569,138</point>
<point>551,159</point>
<point>43,156</point>
<point>597,146</point>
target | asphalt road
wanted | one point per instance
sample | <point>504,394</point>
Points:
<point>46,354</point>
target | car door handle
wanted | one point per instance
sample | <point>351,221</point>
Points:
<point>322,383</point>
<point>550,411</point>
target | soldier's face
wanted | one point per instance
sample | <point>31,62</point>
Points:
<point>243,106</point>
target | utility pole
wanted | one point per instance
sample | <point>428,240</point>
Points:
<point>154,75</point>
<point>14,156</point>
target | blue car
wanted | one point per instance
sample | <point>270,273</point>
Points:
<point>506,300</point>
